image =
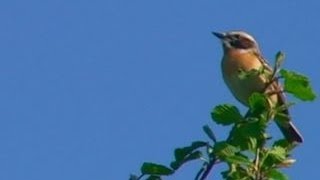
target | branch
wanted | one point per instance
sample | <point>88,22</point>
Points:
<point>208,169</point>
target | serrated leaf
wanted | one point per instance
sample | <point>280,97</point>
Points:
<point>209,133</point>
<point>274,174</point>
<point>298,85</point>
<point>155,169</point>
<point>258,103</point>
<point>226,114</point>
<point>223,149</point>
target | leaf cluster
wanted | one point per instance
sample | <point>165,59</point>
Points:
<point>249,151</point>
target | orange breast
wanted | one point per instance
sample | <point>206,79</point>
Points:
<point>242,88</point>
<point>236,60</point>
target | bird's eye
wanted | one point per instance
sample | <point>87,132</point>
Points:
<point>242,43</point>
<point>237,36</point>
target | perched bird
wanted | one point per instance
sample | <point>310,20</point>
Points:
<point>241,53</point>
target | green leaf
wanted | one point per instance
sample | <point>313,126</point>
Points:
<point>198,144</point>
<point>274,174</point>
<point>276,156</point>
<point>238,159</point>
<point>176,164</point>
<point>278,153</point>
<point>248,134</point>
<point>193,156</point>
<point>258,103</point>
<point>284,144</point>
<point>226,114</point>
<point>188,153</point>
<point>242,74</point>
<point>298,85</point>
<point>209,133</point>
<point>223,149</point>
<point>237,173</point>
<point>155,169</point>
<point>246,74</point>
<point>181,153</point>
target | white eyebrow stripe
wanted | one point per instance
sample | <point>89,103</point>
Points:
<point>241,33</point>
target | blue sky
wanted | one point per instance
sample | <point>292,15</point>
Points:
<point>91,89</point>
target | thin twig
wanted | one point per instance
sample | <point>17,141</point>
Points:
<point>200,172</point>
<point>275,92</point>
<point>269,83</point>
<point>256,164</point>
<point>208,168</point>
<point>141,176</point>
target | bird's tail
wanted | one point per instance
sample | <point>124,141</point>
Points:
<point>290,132</point>
<point>283,121</point>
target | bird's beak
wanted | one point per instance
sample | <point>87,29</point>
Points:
<point>219,35</point>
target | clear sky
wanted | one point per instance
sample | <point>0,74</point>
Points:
<point>91,89</point>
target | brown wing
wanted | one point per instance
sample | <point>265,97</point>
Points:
<point>285,124</point>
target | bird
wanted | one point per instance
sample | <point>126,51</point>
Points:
<point>241,52</point>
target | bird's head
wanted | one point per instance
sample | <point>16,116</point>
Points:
<point>237,40</point>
